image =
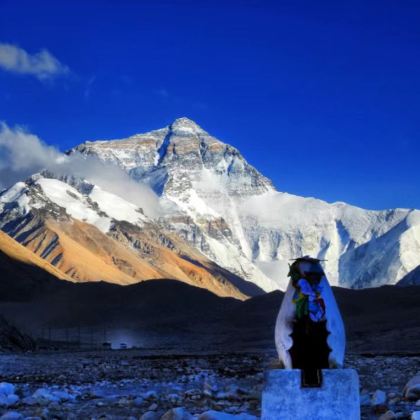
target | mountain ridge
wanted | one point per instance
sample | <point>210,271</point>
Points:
<point>78,236</point>
<point>221,212</point>
<point>168,314</point>
<point>215,182</point>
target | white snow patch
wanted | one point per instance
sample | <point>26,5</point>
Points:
<point>16,193</point>
<point>75,203</point>
<point>116,207</point>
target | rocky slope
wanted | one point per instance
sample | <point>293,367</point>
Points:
<point>213,199</point>
<point>92,235</point>
<point>23,273</point>
<point>13,254</point>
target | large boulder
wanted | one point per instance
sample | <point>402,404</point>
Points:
<point>412,388</point>
<point>219,415</point>
<point>8,396</point>
<point>178,413</point>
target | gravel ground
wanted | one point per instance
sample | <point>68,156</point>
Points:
<point>124,383</point>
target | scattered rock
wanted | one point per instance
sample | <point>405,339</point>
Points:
<point>394,401</point>
<point>64,396</point>
<point>138,401</point>
<point>153,407</point>
<point>8,400</point>
<point>194,394</point>
<point>178,413</point>
<point>7,394</point>
<point>78,389</point>
<point>150,395</point>
<point>7,388</point>
<point>150,415</point>
<point>412,388</point>
<point>389,415</point>
<point>123,402</point>
<point>174,399</point>
<point>11,415</point>
<point>378,401</point>
<point>378,398</point>
<point>43,396</point>
<point>219,415</point>
<point>365,399</point>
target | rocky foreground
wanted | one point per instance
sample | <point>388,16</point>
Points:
<point>133,384</point>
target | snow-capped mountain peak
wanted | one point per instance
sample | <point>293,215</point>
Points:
<point>232,213</point>
<point>174,157</point>
<point>211,198</point>
<point>184,125</point>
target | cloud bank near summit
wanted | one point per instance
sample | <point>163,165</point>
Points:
<point>22,154</point>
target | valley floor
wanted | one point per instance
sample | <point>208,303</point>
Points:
<point>118,384</point>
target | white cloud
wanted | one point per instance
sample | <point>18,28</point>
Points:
<point>42,65</point>
<point>110,178</point>
<point>23,154</point>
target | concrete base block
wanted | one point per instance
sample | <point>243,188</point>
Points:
<point>283,397</point>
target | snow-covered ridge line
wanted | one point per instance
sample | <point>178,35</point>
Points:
<point>212,198</point>
<point>97,207</point>
<point>211,184</point>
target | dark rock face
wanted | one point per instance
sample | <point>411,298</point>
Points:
<point>11,339</point>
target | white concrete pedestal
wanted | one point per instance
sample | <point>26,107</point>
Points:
<point>337,398</point>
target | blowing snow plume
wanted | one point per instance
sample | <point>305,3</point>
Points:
<point>23,154</point>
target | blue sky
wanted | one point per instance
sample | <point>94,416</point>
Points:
<point>322,97</point>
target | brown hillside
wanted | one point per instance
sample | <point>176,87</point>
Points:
<point>12,251</point>
<point>84,253</point>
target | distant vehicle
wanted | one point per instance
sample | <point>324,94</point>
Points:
<point>123,346</point>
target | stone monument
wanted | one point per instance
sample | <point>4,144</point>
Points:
<point>310,341</point>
